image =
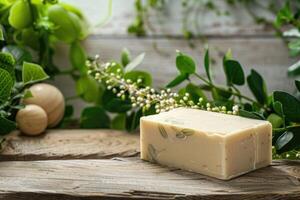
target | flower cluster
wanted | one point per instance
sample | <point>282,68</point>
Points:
<point>146,97</point>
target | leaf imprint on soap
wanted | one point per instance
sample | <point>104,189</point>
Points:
<point>162,131</point>
<point>184,133</point>
<point>152,153</point>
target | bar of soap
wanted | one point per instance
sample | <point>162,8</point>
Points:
<point>214,144</point>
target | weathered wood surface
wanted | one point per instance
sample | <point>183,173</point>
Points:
<point>104,164</point>
<point>168,21</point>
<point>70,144</point>
<point>133,178</point>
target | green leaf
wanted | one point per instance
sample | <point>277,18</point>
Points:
<point>67,25</point>
<point>20,15</point>
<point>32,73</point>
<point>234,72</point>
<point>290,105</point>
<point>289,140</point>
<point>185,64</point>
<point>135,75</point>
<point>114,104</point>
<point>177,80</point>
<point>119,122</point>
<point>69,111</point>
<point>294,47</point>
<point>195,92</point>
<point>6,85</point>
<point>19,54</point>
<point>277,106</point>
<point>89,89</point>
<point>27,94</point>
<point>275,120</point>
<point>135,62</point>
<point>78,57</point>
<point>207,64</point>
<point>7,62</point>
<point>284,15</point>
<point>125,57</point>
<point>6,126</point>
<point>252,115</point>
<point>94,117</point>
<point>1,33</point>
<point>221,94</point>
<point>297,83</point>
<point>258,87</point>
<point>294,70</point>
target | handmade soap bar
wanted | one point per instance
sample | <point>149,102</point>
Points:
<point>219,145</point>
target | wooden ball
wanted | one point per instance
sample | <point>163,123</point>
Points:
<point>32,120</point>
<point>50,99</point>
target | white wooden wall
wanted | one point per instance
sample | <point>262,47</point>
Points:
<point>253,45</point>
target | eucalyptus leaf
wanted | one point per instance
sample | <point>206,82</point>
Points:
<point>33,73</point>
<point>275,120</point>
<point>177,80</point>
<point>195,92</point>
<point>290,105</point>
<point>114,104</point>
<point>207,64</point>
<point>234,72</point>
<point>78,57</point>
<point>257,86</point>
<point>185,64</point>
<point>6,85</point>
<point>94,117</point>
<point>135,62</point>
<point>135,75</point>
<point>89,89</point>
<point>6,126</point>
<point>125,57</point>
<point>253,115</point>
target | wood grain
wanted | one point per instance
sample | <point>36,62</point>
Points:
<point>71,144</point>
<point>133,178</point>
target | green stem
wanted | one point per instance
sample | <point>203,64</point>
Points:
<point>219,88</point>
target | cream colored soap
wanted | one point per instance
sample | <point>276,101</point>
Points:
<point>210,143</point>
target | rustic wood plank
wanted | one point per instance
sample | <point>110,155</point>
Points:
<point>133,178</point>
<point>268,56</point>
<point>71,144</point>
<point>169,20</point>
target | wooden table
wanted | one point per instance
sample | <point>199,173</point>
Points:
<point>105,164</point>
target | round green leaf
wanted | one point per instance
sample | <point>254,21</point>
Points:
<point>89,89</point>
<point>258,87</point>
<point>290,105</point>
<point>185,64</point>
<point>114,104</point>
<point>94,117</point>
<point>135,75</point>
<point>195,92</point>
<point>275,120</point>
<point>234,72</point>
<point>67,24</point>
<point>78,57</point>
<point>20,15</point>
<point>177,80</point>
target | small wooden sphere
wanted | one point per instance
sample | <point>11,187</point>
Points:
<point>50,99</point>
<point>32,120</point>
